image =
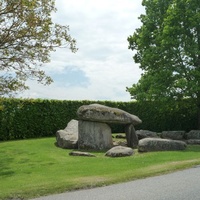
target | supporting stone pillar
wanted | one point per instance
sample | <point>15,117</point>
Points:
<point>131,137</point>
<point>94,135</point>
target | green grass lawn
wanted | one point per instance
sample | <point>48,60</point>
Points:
<point>31,168</point>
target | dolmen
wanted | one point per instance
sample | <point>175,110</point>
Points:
<point>94,131</point>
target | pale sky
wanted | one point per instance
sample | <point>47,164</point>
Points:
<point>103,66</point>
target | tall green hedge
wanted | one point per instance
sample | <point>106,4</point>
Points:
<point>29,118</point>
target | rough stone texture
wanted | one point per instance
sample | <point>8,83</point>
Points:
<point>193,142</point>
<point>80,153</point>
<point>157,144</point>
<point>131,137</point>
<point>193,134</point>
<point>68,138</point>
<point>94,135</point>
<point>100,113</point>
<point>119,151</point>
<point>174,135</point>
<point>146,134</point>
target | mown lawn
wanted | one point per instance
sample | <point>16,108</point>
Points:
<point>31,168</point>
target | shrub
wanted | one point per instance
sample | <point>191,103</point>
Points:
<point>34,118</point>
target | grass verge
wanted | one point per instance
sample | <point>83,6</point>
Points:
<point>32,168</point>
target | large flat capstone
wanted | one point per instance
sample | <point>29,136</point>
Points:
<point>105,114</point>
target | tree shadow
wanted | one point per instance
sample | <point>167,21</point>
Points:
<point>193,148</point>
<point>5,170</point>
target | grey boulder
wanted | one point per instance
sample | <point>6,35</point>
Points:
<point>101,113</point>
<point>141,134</point>
<point>68,138</point>
<point>174,135</point>
<point>157,144</point>
<point>193,134</point>
<point>119,151</point>
<point>80,153</point>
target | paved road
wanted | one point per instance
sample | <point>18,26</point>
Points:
<point>182,185</point>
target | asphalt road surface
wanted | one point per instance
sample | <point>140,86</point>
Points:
<point>181,185</point>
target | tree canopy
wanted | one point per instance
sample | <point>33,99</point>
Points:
<point>27,36</point>
<point>167,47</point>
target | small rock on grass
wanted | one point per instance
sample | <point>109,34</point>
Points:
<point>80,153</point>
<point>119,151</point>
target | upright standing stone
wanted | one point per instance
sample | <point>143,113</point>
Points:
<point>131,137</point>
<point>94,135</point>
<point>68,138</point>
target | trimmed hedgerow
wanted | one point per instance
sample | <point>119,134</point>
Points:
<point>34,118</point>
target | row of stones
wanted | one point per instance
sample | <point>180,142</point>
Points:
<point>174,135</point>
<point>68,138</point>
<point>145,145</point>
<point>118,151</point>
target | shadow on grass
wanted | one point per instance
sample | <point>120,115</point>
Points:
<point>5,170</point>
<point>192,148</point>
<point>82,150</point>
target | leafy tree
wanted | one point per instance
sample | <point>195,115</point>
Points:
<point>167,47</point>
<point>27,36</point>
